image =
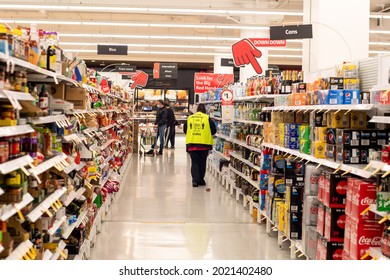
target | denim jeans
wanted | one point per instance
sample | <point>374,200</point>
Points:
<point>161,134</point>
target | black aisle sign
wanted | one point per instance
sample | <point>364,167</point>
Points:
<point>291,32</point>
<point>227,62</point>
<point>125,68</point>
<point>112,49</point>
<point>168,71</point>
<point>127,77</point>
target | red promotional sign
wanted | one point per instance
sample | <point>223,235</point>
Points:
<point>204,82</point>
<point>156,70</point>
<point>267,42</point>
<point>227,97</point>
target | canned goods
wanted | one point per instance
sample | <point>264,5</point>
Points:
<point>4,151</point>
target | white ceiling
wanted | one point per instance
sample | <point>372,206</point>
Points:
<point>169,30</point>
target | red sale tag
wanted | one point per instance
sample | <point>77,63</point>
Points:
<point>267,42</point>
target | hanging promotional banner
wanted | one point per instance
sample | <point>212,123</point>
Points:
<point>227,106</point>
<point>245,52</point>
<point>267,42</point>
<point>203,82</point>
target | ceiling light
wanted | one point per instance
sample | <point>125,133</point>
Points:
<point>379,32</point>
<point>379,15</point>
<point>284,56</point>
<point>379,43</point>
<point>378,52</point>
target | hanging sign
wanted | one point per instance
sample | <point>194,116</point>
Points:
<point>203,82</point>
<point>112,49</point>
<point>227,106</point>
<point>165,71</point>
<point>227,62</point>
<point>125,68</point>
<point>244,53</point>
<point>304,31</point>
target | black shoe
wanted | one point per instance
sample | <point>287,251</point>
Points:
<point>172,148</point>
<point>203,183</point>
<point>160,153</point>
<point>194,184</point>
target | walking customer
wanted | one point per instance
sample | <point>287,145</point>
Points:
<point>161,123</point>
<point>171,130</point>
<point>199,130</point>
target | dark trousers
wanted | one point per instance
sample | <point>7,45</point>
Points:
<point>170,133</point>
<point>198,165</point>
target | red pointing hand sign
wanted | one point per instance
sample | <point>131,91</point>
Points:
<point>140,79</point>
<point>244,52</point>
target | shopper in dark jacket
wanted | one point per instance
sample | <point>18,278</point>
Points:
<point>199,130</point>
<point>171,123</point>
<point>161,123</point>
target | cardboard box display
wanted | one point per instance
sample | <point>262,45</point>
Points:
<point>330,152</point>
<point>351,97</point>
<point>294,199</point>
<point>364,236</point>
<point>347,138</point>
<point>291,129</point>
<point>311,245</point>
<point>322,97</point>
<point>383,137</point>
<point>305,146</point>
<point>334,224</point>
<point>331,136</point>
<point>335,97</point>
<point>335,189</point>
<point>336,83</point>
<point>302,117</point>
<point>348,198</point>
<point>339,119</point>
<point>58,91</point>
<point>299,99</point>
<point>318,149</point>
<point>320,134</point>
<point>349,71</point>
<point>351,84</point>
<point>295,226</point>
<point>304,132</point>
<point>310,210</point>
<point>363,195</point>
<point>347,234</point>
<point>383,193</point>
<point>318,119</point>
<point>368,138</point>
<point>321,187</point>
<point>78,96</point>
<point>348,155</point>
<point>291,142</point>
<point>329,250</point>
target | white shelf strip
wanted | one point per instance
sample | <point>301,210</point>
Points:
<point>1,191</point>
<point>238,142</point>
<point>248,179</point>
<point>358,107</point>
<point>221,155</point>
<point>74,166</point>
<point>11,209</point>
<point>56,225</point>
<point>299,245</point>
<point>238,156</point>
<point>60,248</point>
<point>16,95</point>
<point>7,131</point>
<point>249,122</point>
<point>72,137</point>
<point>74,195</point>
<point>15,164</point>
<point>50,119</point>
<point>258,97</point>
<point>45,205</point>
<point>80,166</point>
<point>377,254</point>
<point>380,213</point>
<point>69,229</point>
<point>108,143</point>
<point>380,119</point>
<point>210,102</point>
<point>21,250</point>
<point>107,127</point>
<point>47,255</point>
<point>378,164</point>
<point>48,164</point>
<point>353,169</point>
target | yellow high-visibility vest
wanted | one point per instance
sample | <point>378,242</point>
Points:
<point>198,130</point>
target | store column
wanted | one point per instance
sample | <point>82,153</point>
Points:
<point>219,69</point>
<point>340,33</point>
<point>247,71</point>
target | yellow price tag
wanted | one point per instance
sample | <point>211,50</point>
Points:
<point>59,203</point>
<point>62,254</point>
<point>383,220</point>
<point>20,214</point>
<point>365,210</point>
<point>48,213</point>
<point>365,256</point>
<point>30,256</point>
<point>26,258</point>
<point>54,207</point>
<point>25,171</point>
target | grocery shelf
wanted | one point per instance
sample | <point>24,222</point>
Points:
<point>238,156</point>
<point>106,178</point>
<point>107,127</point>
<point>56,225</point>
<point>358,107</point>
<point>73,195</point>
<point>221,155</point>
<point>48,164</point>
<point>299,245</point>
<point>379,213</point>
<point>258,97</point>
<point>69,229</point>
<point>376,254</point>
<point>91,89</point>
<point>74,166</point>
<point>378,164</point>
<point>351,168</point>
<point>60,249</point>
<point>60,119</point>
<point>21,251</point>
<point>108,143</point>
<point>247,178</point>
<point>47,255</point>
<point>7,131</point>
<point>11,209</point>
<point>72,137</point>
<point>45,205</point>
<point>380,119</point>
<point>210,102</point>
<point>248,121</point>
<point>16,95</point>
<point>15,164</point>
<point>238,142</point>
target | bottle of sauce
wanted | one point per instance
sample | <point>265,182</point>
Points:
<point>43,99</point>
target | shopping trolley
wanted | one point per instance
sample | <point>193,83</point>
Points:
<point>147,141</point>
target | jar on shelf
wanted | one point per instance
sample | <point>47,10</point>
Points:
<point>18,44</point>
<point>14,147</point>
<point>7,115</point>
<point>4,151</point>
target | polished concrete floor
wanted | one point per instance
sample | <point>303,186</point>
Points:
<point>159,215</point>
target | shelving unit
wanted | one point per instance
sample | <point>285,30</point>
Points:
<point>221,155</point>
<point>56,225</point>
<point>7,131</point>
<point>238,142</point>
<point>359,107</point>
<point>69,229</point>
<point>15,164</point>
<point>380,119</point>
<point>247,178</point>
<point>11,209</point>
<point>48,164</point>
<point>4,94</point>
<point>239,157</point>
<point>59,251</point>
<point>73,195</point>
<point>248,121</point>
<point>376,254</point>
<point>258,97</point>
<point>210,102</point>
<point>21,251</point>
<point>374,209</point>
<point>1,191</point>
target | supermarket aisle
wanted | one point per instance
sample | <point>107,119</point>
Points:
<point>161,216</point>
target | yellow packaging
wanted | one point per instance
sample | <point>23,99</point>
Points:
<point>338,120</point>
<point>349,71</point>
<point>351,84</point>
<point>358,120</point>
<point>318,149</point>
<point>320,134</point>
<point>281,214</point>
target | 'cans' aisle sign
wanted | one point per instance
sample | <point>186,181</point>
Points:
<point>227,106</point>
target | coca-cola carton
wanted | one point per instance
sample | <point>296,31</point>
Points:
<point>327,250</point>
<point>310,210</point>
<point>335,189</point>
<point>311,246</point>
<point>345,255</point>
<point>334,224</point>
<point>321,220</point>
<point>348,201</point>
<point>347,234</point>
<point>321,187</point>
<point>364,236</point>
<point>363,194</point>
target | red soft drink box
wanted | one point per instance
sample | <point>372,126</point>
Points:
<point>321,187</point>
<point>364,236</point>
<point>334,224</point>
<point>363,194</point>
<point>335,189</point>
<point>347,234</point>
<point>345,255</point>
<point>348,201</point>
<point>321,220</point>
<point>327,250</point>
